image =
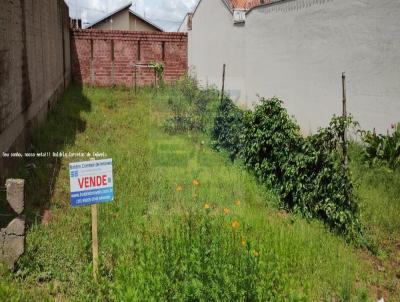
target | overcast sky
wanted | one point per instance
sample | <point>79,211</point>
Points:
<point>166,13</point>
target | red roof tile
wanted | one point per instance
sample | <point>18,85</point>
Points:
<point>246,4</point>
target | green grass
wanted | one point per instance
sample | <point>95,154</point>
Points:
<point>379,193</point>
<point>378,190</point>
<point>160,244</point>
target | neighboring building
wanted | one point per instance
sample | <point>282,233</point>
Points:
<point>75,23</point>
<point>124,19</point>
<point>297,50</point>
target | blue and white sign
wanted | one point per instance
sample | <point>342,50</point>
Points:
<point>91,182</point>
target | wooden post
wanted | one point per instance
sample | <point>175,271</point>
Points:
<point>223,82</point>
<point>91,63</point>
<point>135,78</point>
<point>95,242</point>
<point>112,64</point>
<point>344,94</point>
<point>344,114</point>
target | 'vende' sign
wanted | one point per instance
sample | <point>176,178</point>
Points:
<point>91,182</point>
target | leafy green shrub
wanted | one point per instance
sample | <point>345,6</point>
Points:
<point>228,126</point>
<point>383,149</point>
<point>191,107</point>
<point>327,190</point>
<point>269,141</point>
<point>308,173</point>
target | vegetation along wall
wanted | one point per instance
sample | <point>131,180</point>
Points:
<point>34,67</point>
<point>107,58</point>
<point>296,50</point>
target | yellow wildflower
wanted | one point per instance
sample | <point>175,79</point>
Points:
<point>235,224</point>
<point>179,188</point>
<point>206,206</point>
<point>243,242</point>
<point>237,203</point>
<point>255,253</point>
<point>226,211</point>
<point>195,182</point>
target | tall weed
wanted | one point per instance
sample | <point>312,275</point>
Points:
<point>383,149</point>
<point>192,108</point>
<point>201,256</point>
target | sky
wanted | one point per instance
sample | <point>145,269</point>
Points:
<point>166,13</point>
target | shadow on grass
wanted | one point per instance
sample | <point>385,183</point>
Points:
<point>63,123</point>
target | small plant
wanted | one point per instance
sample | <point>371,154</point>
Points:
<point>159,70</point>
<point>187,87</point>
<point>383,149</point>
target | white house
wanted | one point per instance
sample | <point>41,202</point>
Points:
<point>297,50</point>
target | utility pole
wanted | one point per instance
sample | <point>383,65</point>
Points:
<point>344,115</point>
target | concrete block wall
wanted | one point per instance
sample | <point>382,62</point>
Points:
<point>12,237</point>
<point>105,57</point>
<point>35,67</point>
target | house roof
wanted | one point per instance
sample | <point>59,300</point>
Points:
<point>145,20</point>
<point>245,4</point>
<point>126,6</point>
<point>248,5</point>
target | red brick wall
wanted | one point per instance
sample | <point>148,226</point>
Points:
<point>93,61</point>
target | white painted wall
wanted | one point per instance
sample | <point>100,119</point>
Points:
<point>183,27</point>
<point>214,41</point>
<point>297,50</point>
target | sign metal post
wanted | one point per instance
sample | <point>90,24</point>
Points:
<point>95,243</point>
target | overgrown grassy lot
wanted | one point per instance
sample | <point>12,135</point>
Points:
<point>378,190</point>
<point>187,224</point>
